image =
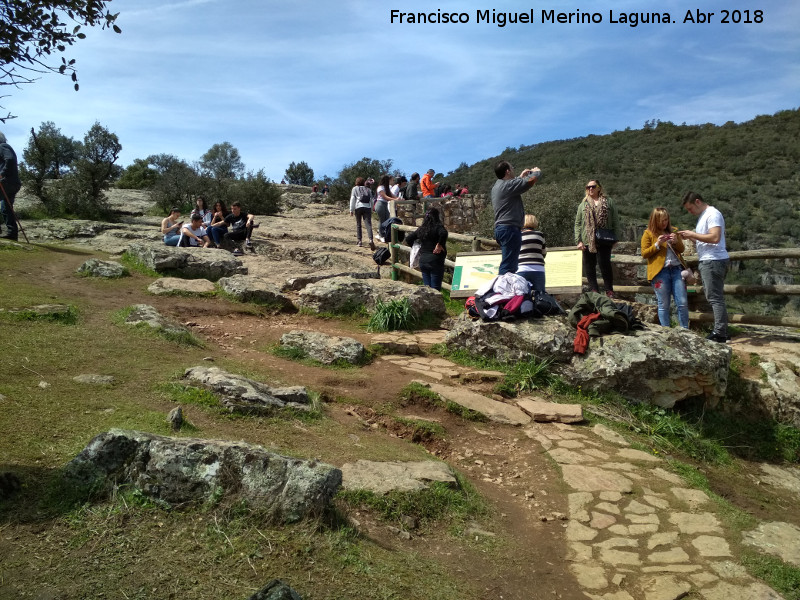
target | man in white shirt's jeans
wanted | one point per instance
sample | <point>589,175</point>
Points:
<point>709,237</point>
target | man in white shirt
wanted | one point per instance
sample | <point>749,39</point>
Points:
<point>709,238</point>
<point>195,233</point>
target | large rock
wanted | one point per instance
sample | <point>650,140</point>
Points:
<point>239,394</point>
<point>344,294</point>
<point>166,286</point>
<point>186,470</point>
<point>189,263</point>
<point>384,477</point>
<point>658,365</point>
<point>511,342</point>
<point>326,349</point>
<point>276,590</point>
<point>246,288</point>
<point>109,269</point>
<point>144,314</point>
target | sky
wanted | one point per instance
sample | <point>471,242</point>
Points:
<point>331,82</point>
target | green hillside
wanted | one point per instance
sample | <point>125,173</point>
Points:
<point>750,171</point>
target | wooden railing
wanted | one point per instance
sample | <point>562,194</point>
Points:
<point>478,243</point>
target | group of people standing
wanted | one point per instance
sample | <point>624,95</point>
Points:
<point>597,230</point>
<point>208,228</point>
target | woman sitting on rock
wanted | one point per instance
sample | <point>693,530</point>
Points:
<point>171,227</point>
<point>218,227</point>
<point>662,247</point>
<point>200,208</point>
<point>433,239</point>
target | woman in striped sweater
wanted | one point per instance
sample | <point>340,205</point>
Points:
<point>532,253</point>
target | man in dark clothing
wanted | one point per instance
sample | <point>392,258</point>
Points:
<point>9,179</point>
<point>509,212</point>
<point>241,226</point>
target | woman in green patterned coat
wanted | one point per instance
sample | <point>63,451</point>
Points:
<point>597,219</point>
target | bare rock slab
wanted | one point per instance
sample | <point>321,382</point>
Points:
<point>190,470</point>
<point>327,349</point>
<point>189,263</point>
<point>780,539</point>
<point>491,409</point>
<point>729,591</point>
<point>144,314</point>
<point>175,285</point>
<point>343,294</point>
<point>247,288</point>
<point>384,477</point>
<point>548,412</point>
<point>593,479</point>
<point>238,394</point>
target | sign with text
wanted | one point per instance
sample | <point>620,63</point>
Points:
<point>563,269</point>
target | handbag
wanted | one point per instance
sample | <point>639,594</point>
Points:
<point>601,234</point>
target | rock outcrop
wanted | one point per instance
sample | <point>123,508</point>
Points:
<point>246,288</point>
<point>239,394</point>
<point>346,294</point>
<point>326,349</point>
<point>186,470</point>
<point>658,365</point>
<point>108,269</point>
<point>189,263</point>
<point>144,314</point>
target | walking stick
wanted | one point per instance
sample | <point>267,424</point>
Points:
<point>13,214</point>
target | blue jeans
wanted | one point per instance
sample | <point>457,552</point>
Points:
<point>171,239</point>
<point>510,240</point>
<point>432,279</point>
<point>713,274</point>
<point>536,279</point>
<point>669,283</point>
<point>217,233</point>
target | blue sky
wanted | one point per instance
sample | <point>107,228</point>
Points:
<point>331,82</point>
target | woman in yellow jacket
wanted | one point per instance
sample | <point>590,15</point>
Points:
<point>662,247</point>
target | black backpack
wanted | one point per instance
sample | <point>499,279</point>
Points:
<point>381,256</point>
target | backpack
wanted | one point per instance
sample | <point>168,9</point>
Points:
<point>365,196</point>
<point>386,229</point>
<point>381,256</point>
<point>545,304</point>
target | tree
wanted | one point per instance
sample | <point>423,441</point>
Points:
<point>299,174</point>
<point>48,155</point>
<point>138,176</point>
<point>222,161</point>
<point>256,193</point>
<point>176,181</point>
<point>346,179</point>
<point>33,31</point>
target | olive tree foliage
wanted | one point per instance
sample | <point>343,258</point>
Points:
<point>176,182</point>
<point>48,155</point>
<point>222,161</point>
<point>139,175</point>
<point>81,192</point>
<point>256,193</point>
<point>554,204</point>
<point>299,174</point>
<point>346,179</point>
<point>33,31</point>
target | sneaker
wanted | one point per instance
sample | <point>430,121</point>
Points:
<point>611,294</point>
<point>237,252</point>
<point>381,240</point>
<point>372,245</point>
<point>715,337</point>
<point>248,244</point>
<point>358,244</point>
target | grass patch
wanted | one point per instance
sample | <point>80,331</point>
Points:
<point>453,306</point>
<point>134,264</point>
<point>440,502</point>
<point>783,578</point>
<point>67,316</point>
<point>526,376</point>
<point>422,430</point>
<point>393,316</point>
<point>187,394</point>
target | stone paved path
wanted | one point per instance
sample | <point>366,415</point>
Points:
<point>635,531</point>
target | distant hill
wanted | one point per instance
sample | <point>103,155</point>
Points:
<point>750,171</point>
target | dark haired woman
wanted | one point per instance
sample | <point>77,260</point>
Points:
<point>662,247</point>
<point>218,227</point>
<point>383,197</point>
<point>596,216</point>
<point>200,208</point>
<point>432,237</point>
